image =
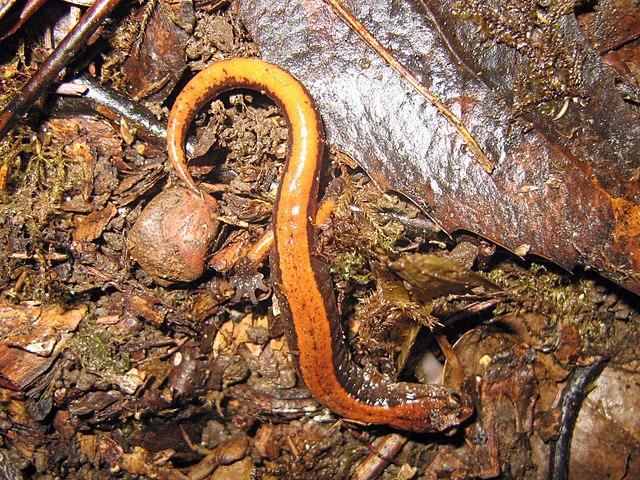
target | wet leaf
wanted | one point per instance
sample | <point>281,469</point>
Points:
<point>91,227</point>
<point>612,25</point>
<point>563,140</point>
<point>433,276</point>
<point>157,60</point>
<point>606,437</point>
<point>32,337</point>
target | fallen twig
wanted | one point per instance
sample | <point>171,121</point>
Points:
<point>383,450</point>
<point>573,393</point>
<point>29,8</point>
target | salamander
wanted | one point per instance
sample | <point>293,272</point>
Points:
<point>301,280</point>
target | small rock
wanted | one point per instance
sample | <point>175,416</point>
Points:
<point>173,234</point>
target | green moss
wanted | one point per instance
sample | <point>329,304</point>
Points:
<point>532,28</point>
<point>35,174</point>
<point>15,148</point>
<point>13,75</point>
<point>593,331</point>
<point>98,351</point>
<point>365,222</point>
<point>555,296</point>
<point>351,267</point>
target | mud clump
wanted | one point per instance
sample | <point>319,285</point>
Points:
<point>172,236</point>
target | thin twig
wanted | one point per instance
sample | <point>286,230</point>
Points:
<point>382,453</point>
<point>31,7</point>
<point>401,70</point>
<point>75,40</point>
<point>574,392</point>
<point>5,6</point>
<point>102,100</point>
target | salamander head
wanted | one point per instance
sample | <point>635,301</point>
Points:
<point>442,410</point>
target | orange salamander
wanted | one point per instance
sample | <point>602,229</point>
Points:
<point>301,280</point>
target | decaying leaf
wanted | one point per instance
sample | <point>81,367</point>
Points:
<point>606,438</point>
<point>91,227</point>
<point>32,337</point>
<point>562,184</point>
<point>433,276</point>
<point>157,58</point>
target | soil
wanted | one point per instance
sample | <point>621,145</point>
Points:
<point>111,368</point>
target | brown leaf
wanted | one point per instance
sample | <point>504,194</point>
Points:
<point>157,62</point>
<point>432,276</point>
<point>612,24</point>
<point>562,179</point>
<point>94,402</point>
<point>140,462</point>
<point>242,470</point>
<point>606,437</point>
<point>143,305</point>
<point>91,227</point>
<point>32,337</point>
